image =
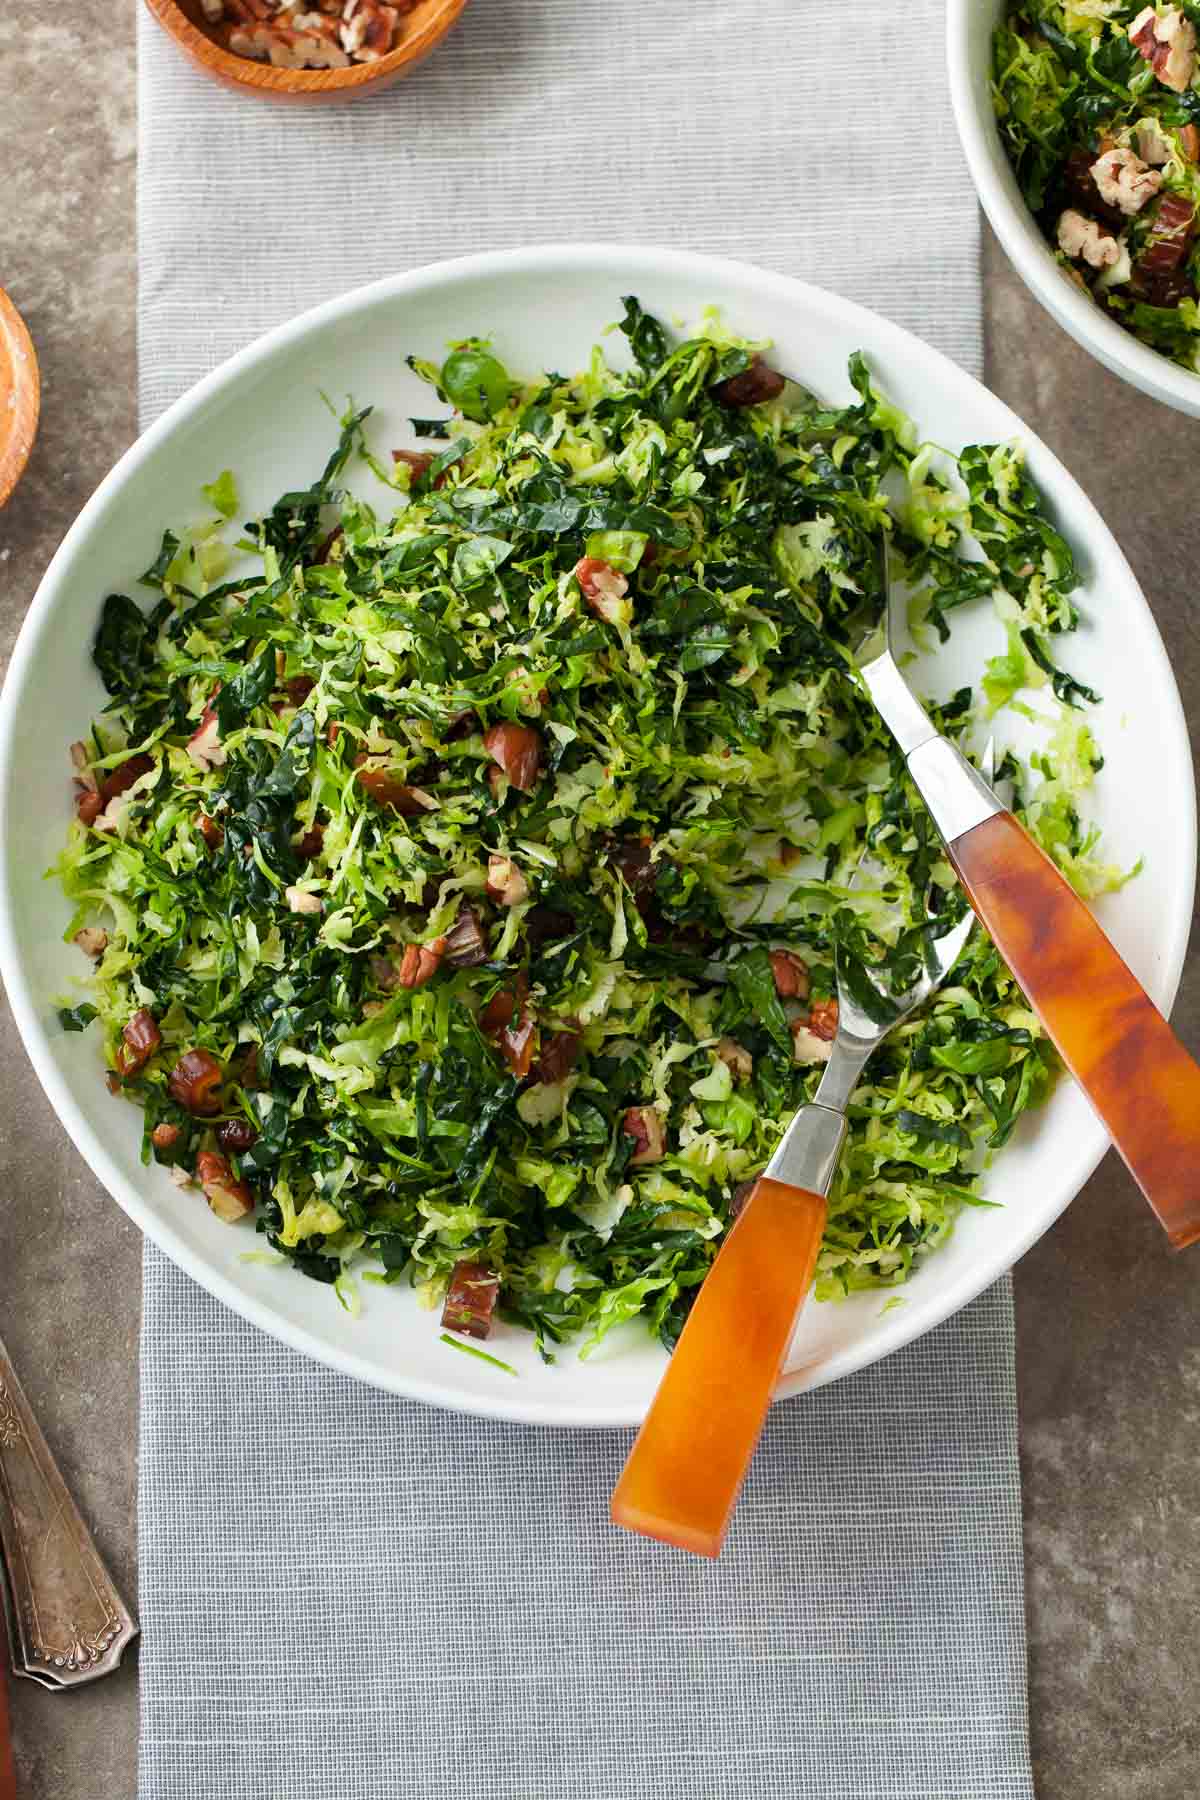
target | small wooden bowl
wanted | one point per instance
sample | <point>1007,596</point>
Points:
<point>421,31</point>
<point>20,396</point>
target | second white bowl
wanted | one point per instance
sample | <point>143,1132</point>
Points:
<point>969,26</point>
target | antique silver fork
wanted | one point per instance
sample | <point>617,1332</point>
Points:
<point>67,1621</point>
<point>683,1475</point>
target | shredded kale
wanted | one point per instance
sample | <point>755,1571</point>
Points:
<point>438,983</point>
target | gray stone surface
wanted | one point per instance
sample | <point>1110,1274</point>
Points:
<point>1108,1358</point>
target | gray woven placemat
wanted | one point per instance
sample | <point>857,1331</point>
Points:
<point>344,1595</point>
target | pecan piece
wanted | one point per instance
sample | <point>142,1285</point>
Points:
<point>604,588</point>
<point>505,883</point>
<point>420,963</point>
<point>228,1197</point>
<point>298,901</point>
<point>1125,181</point>
<point>369,30</point>
<point>791,975</point>
<point>1083,240</point>
<point>645,1127</point>
<point>737,1058</point>
<point>1167,41</point>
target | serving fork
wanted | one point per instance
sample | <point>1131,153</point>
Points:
<point>1140,1080</point>
<point>682,1478</point>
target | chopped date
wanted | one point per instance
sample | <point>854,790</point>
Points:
<point>1159,276</point>
<point>236,1136</point>
<point>752,387</point>
<point>508,1021</point>
<point>633,859</point>
<point>517,751</point>
<point>464,724</point>
<point>558,1053</point>
<point>92,801</point>
<point>546,924</point>
<point>123,777</point>
<point>471,1299</point>
<point>195,1083</point>
<point>311,844</point>
<point>210,830</point>
<point>324,549</point>
<point>739,1197</point>
<point>1079,189</point>
<point>139,1040</point>
<point>397,796</point>
<point>419,461</point>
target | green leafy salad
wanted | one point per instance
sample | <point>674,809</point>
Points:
<point>463,874</point>
<point>1098,104</point>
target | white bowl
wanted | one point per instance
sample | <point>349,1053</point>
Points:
<point>969,27</point>
<point>262,413</point>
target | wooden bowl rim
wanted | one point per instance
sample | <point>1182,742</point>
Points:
<point>19,430</point>
<point>266,78</point>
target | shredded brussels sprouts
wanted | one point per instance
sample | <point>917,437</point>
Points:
<point>433,857</point>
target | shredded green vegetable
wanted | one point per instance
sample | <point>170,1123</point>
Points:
<point>1069,86</point>
<point>599,1050</point>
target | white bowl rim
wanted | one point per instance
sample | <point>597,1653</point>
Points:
<point>904,1324</point>
<point>1028,251</point>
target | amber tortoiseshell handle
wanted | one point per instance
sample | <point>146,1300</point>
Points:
<point>684,1472</point>
<point>1114,1040</point>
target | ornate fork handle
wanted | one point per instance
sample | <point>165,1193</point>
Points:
<point>69,1623</point>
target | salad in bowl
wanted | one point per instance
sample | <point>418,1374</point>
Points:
<point>462,872</point>
<point>1098,108</point>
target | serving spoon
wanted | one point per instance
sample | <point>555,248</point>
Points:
<point>684,1473</point>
